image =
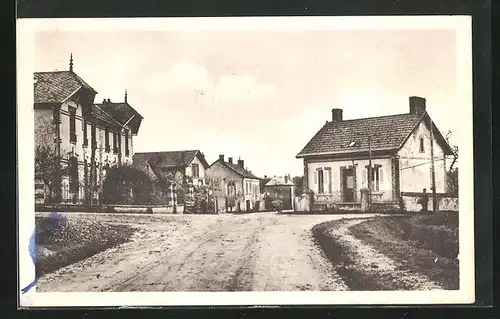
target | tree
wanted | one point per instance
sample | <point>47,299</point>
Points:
<point>47,160</point>
<point>452,173</point>
<point>298,181</point>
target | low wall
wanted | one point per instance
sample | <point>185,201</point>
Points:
<point>446,202</point>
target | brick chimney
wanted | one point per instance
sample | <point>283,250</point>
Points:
<point>286,178</point>
<point>336,114</point>
<point>230,160</point>
<point>221,157</point>
<point>241,163</point>
<point>417,105</point>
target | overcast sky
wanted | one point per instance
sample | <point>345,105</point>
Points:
<point>258,95</point>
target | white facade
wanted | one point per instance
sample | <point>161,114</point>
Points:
<point>408,170</point>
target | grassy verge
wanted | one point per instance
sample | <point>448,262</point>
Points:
<point>341,258</point>
<point>61,244</point>
<point>426,244</point>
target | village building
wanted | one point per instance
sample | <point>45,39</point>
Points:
<point>337,159</point>
<point>176,167</point>
<point>235,187</point>
<point>82,138</point>
<point>281,188</point>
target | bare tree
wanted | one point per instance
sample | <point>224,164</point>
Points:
<point>47,160</point>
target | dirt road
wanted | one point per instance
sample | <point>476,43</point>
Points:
<point>252,252</point>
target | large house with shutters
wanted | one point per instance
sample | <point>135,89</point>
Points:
<point>337,159</point>
<point>85,138</point>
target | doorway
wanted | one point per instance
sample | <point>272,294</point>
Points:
<point>348,185</point>
<point>248,206</point>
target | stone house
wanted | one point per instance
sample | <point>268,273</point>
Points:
<point>282,188</point>
<point>82,135</point>
<point>235,187</point>
<point>336,159</point>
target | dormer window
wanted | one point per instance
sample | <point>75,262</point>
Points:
<point>421,148</point>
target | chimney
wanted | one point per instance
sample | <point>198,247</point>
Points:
<point>230,160</point>
<point>336,115</point>
<point>241,163</point>
<point>286,178</point>
<point>221,157</point>
<point>417,105</point>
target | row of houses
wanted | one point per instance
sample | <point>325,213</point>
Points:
<point>229,183</point>
<point>80,144</point>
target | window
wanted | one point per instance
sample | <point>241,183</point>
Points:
<point>106,140</point>
<point>321,185</point>
<point>195,170</point>
<point>375,178</point>
<point>85,137</point>
<point>93,137</point>
<point>115,142</point>
<point>72,123</point>
<point>127,152</point>
<point>421,149</point>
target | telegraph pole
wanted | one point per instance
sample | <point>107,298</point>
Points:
<point>369,174</point>
<point>433,175</point>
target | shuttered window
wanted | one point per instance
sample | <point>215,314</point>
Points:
<point>127,151</point>
<point>84,128</point>
<point>330,182</point>
<point>106,140</point>
<point>72,125</point>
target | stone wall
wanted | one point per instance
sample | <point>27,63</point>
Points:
<point>446,202</point>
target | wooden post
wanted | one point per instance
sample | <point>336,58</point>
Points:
<point>433,173</point>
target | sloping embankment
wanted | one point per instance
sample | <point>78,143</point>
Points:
<point>393,253</point>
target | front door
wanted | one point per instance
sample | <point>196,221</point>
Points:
<point>348,183</point>
<point>248,205</point>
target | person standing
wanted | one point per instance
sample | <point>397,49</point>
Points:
<point>424,201</point>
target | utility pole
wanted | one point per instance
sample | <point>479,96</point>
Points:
<point>370,174</point>
<point>433,175</point>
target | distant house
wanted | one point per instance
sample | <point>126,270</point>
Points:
<point>236,188</point>
<point>178,167</point>
<point>281,188</point>
<point>336,159</point>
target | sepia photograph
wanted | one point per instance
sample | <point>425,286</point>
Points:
<point>291,160</point>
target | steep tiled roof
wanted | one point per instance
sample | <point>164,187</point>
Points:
<point>122,112</point>
<point>169,159</point>
<point>239,170</point>
<point>57,86</point>
<point>103,116</point>
<point>279,181</point>
<point>387,132</point>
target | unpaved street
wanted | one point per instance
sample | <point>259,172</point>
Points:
<point>251,252</point>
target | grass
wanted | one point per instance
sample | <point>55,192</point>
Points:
<point>426,244</point>
<point>341,258</point>
<point>61,243</point>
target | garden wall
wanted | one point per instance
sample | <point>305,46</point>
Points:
<point>446,202</point>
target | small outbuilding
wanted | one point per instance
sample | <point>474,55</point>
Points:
<point>280,188</point>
